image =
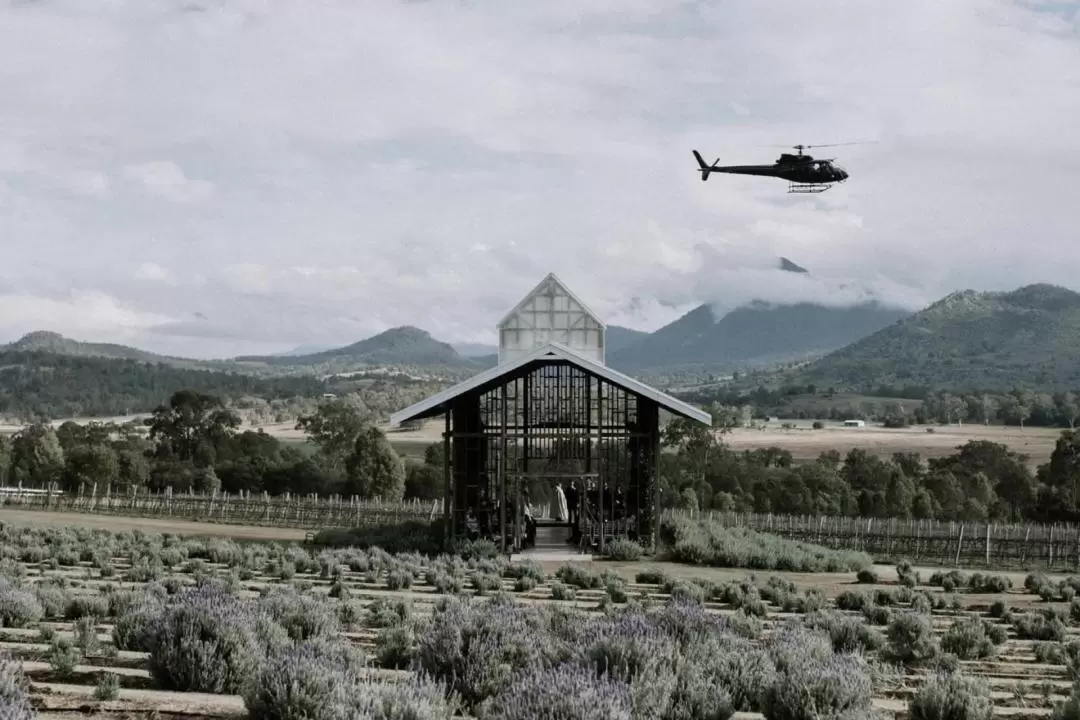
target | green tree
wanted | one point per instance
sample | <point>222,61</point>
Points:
<point>334,427</point>
<point>134,468</point>
<point>36,456</point>
<point>1061,476</point>
<point>1068,407</point>
<point>423,481</point>
<point>206,481</point>
<point>89,465</point>
<point>374,469</point>
<point>192,427</point>
<point>435,455</point>
<point>5,459</point>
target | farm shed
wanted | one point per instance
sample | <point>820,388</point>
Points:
<point>551,413</point>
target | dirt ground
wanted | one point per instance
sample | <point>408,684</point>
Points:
<point>118,523</point>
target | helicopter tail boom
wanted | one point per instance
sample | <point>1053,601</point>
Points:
<point>703,166</point>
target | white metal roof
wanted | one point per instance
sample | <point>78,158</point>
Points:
<point>539,286</point>
<point>554,351</point>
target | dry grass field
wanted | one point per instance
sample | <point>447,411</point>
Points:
<point>801,440</point>
<point>1023,682</point>
<point>805,443</point>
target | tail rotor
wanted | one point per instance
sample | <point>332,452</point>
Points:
<point>704,168</point>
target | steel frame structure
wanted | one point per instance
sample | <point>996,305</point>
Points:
<point>553,421</point>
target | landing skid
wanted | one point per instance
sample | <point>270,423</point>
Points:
<point>807,188</point>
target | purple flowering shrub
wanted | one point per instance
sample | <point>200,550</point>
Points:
<point>563,692</point>
<point>138,615</point>
<point>813,681</point>
<point>477,648</point>
<point>302,616</point>
<point>632,648</point>
<point>951,696</point>
<point>701,691</point>
<point>722,661</point>
<point>205,641</point>
<point>324,680</point>
<point>18,608</point>
<point>14,703</point>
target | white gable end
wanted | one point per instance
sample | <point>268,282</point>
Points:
<point>551,313</point>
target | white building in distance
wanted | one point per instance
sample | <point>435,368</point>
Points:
<point>551,313</point>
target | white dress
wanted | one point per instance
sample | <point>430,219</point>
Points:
<point>562,513</point>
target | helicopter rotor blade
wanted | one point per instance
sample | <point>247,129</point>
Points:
<point>859,142</point>
<point>807,147</point>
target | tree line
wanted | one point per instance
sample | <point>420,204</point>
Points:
<point>895,407</point>
<point>41,386</point>
<point>981,481</point>
<point>194,443</point>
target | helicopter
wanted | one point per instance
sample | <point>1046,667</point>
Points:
<point>803,173</point>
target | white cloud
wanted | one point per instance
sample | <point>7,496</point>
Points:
<point>90,316</point>
<point>167,180</point>
<point>151,272</point>
<point>308,174</point>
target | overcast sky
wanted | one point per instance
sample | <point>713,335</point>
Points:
<point>211,177</point>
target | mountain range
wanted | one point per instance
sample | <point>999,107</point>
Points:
<point>1029,337</point>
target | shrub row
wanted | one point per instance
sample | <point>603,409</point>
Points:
<point>704,541</point>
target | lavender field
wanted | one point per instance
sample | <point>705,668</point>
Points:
<point>133,624</point>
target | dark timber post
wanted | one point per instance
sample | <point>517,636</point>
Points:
<point>654,474</point>
<point>502,470</point>
<point>447,529</point>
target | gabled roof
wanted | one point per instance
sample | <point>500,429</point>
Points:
<point>436,404</point>
<point>551,277</point>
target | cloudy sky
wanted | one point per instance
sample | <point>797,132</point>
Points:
<point>211,177</point>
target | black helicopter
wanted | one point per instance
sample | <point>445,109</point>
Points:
<point>803,173</point>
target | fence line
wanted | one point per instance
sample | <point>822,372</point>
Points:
<point>977,544</point>
<point>309,512</point>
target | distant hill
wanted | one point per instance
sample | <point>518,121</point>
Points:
<point>619,338</point>
<point>305,350</point>
<point>400,346</point>
<point>756,334</point>
<point>472,350</point>
<point>789,266</point>
<point>43,341</point>
<point>1029,337</point>
<point>37,384</point>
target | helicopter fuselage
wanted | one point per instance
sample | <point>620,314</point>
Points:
<point>809,173</point>
<point>803,172</point>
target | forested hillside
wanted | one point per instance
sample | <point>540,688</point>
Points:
<point>974,341</point>
<point>50,385</point>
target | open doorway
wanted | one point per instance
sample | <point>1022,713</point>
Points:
<point>550,506</point>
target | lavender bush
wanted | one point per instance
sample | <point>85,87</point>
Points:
<point>14,703</point>
<point>303,617</point>
<point>18,608</point>
<point>951,697</point>
<point>205,642</point>
<point>564,692</point>
<point>971,639</point>
<point>324,680</point>
<point>812,681</point>
<point>477,648</point>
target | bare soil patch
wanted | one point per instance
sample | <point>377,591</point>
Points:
<point>117,523</point>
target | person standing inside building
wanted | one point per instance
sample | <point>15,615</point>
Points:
<point>562,512</point>
<point>572,500</point>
